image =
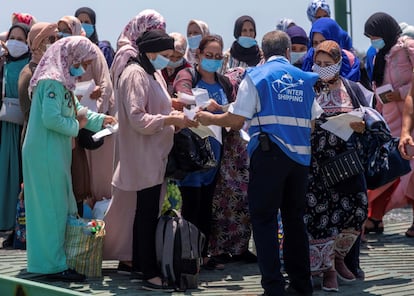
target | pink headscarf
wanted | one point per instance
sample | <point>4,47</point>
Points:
<point>74,25</point>
<point>58,58</point>
<point>38,33</point>
<point>146,20</point>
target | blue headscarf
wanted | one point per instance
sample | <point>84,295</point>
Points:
<point>330,29</point>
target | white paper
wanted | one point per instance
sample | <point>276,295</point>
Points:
<point>210,130</point>
<point>190,113</point>
<point>382,91</point>
<point>109,130</point>
<point>84,89</point>
<point>339,125</point>
<point>186,98</point>
<point>244,135</point>
<point>201,97</point>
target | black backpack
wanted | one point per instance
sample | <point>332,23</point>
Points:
<point>178,245</point>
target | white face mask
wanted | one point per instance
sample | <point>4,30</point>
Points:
<point>16,48</point>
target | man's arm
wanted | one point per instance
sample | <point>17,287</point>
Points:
<point>227,119</point>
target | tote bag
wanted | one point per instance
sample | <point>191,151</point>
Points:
<point>83,245</point>
<point>10,111</point>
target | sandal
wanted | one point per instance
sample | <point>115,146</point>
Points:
<point>376,226</point>
<point>212,264</point>
<point>410,231</point>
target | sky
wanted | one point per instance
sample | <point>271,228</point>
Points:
<point>220,15</point>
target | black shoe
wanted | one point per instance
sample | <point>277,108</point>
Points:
<point>146,285</point>
<point>136,276</point>
<point>124,268</point>
<point>292,291</point>
<point>69,275</point>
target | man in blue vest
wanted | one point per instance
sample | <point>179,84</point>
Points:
<point>278,99</point>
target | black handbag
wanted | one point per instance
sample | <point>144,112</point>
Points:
<point>397,166</point>
<point>86,141</point>
<point>190,153</point>
<point>341,167</point>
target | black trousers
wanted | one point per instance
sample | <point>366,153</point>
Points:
<point>145,225</point>
<point>277,182</point>
<point>197,208</point>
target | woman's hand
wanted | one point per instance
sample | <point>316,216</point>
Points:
<point>82,119</point>
<point>213,106</point>
<point>96,93</point>
<point>109,120</point>
<point>358,126</point>
<point>393,96</point>
<point>406,146</point>
<point>177,105</point>
<point>180,121</point>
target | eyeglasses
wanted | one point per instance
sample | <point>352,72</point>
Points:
<point>211,56</point>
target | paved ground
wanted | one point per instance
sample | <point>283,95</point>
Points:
<point>388,261</point>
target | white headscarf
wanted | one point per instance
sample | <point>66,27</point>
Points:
<point>58,58</point>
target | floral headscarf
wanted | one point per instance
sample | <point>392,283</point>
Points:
<point>38,33</point>
<point>146,20</point>
<point>58,58</point>
<point>313,8</point>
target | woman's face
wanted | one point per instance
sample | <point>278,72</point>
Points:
<point>193,30</point>
<point>248,29</point>
<point>48,41</point>
<point>64,28</point>
<point>321,13</point>
<point>84,64</point>
<point>323,59</point>
<point>17,34</point>
<point>84,18</point>
<point>165,53</point>
<point>296,47</point>
<point>176,56</point>
<point>213,50</point>
<point>317,38</point>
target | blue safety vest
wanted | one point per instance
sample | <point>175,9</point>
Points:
<point>286,98</point>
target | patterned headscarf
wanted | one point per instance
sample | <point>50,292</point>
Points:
<point>190,54</point>
<point>284,24</point>
<point>25,18</point>
<point>180,42</point>
<point>74,25</point>
<point>146,20</point>
<point>38,33</point>
<point>58,58</point>
<point>382,25</point>
<point>313,8</point>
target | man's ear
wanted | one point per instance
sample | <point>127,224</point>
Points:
<point>287,54</point>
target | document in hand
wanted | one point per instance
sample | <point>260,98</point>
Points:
<point>84,90</point>
<point>339,125</point>
<point>382,91</point>
<point>109,130</point>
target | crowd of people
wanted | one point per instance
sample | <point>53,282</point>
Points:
<point>281,92</point>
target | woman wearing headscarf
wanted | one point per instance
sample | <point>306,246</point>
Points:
<point>284,24</point>
<point>47,154</point>
<point>145,138</point>
<point>70,26</point>
<point>196,30</point>
<point>17,56</point>
<point>300,42</point>
<point>119,217</point>
<point>244,51</point>
<point>328,29</point>
<point>41,36</point>
<point>334,214</point>
<point>87,17</point>
<point>393,64</point>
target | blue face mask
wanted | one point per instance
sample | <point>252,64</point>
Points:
<point>89,29</point>
<point>76,71</point>
<point>194,41</point>
<point>296,56</point>
<point>246,42</point>
<point>175,64</point>
<point>211,65</point>
<point>378,43</point>
<point>160,62</point>
<point>62,35</point>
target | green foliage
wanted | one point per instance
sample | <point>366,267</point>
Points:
<point>172,198</point>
